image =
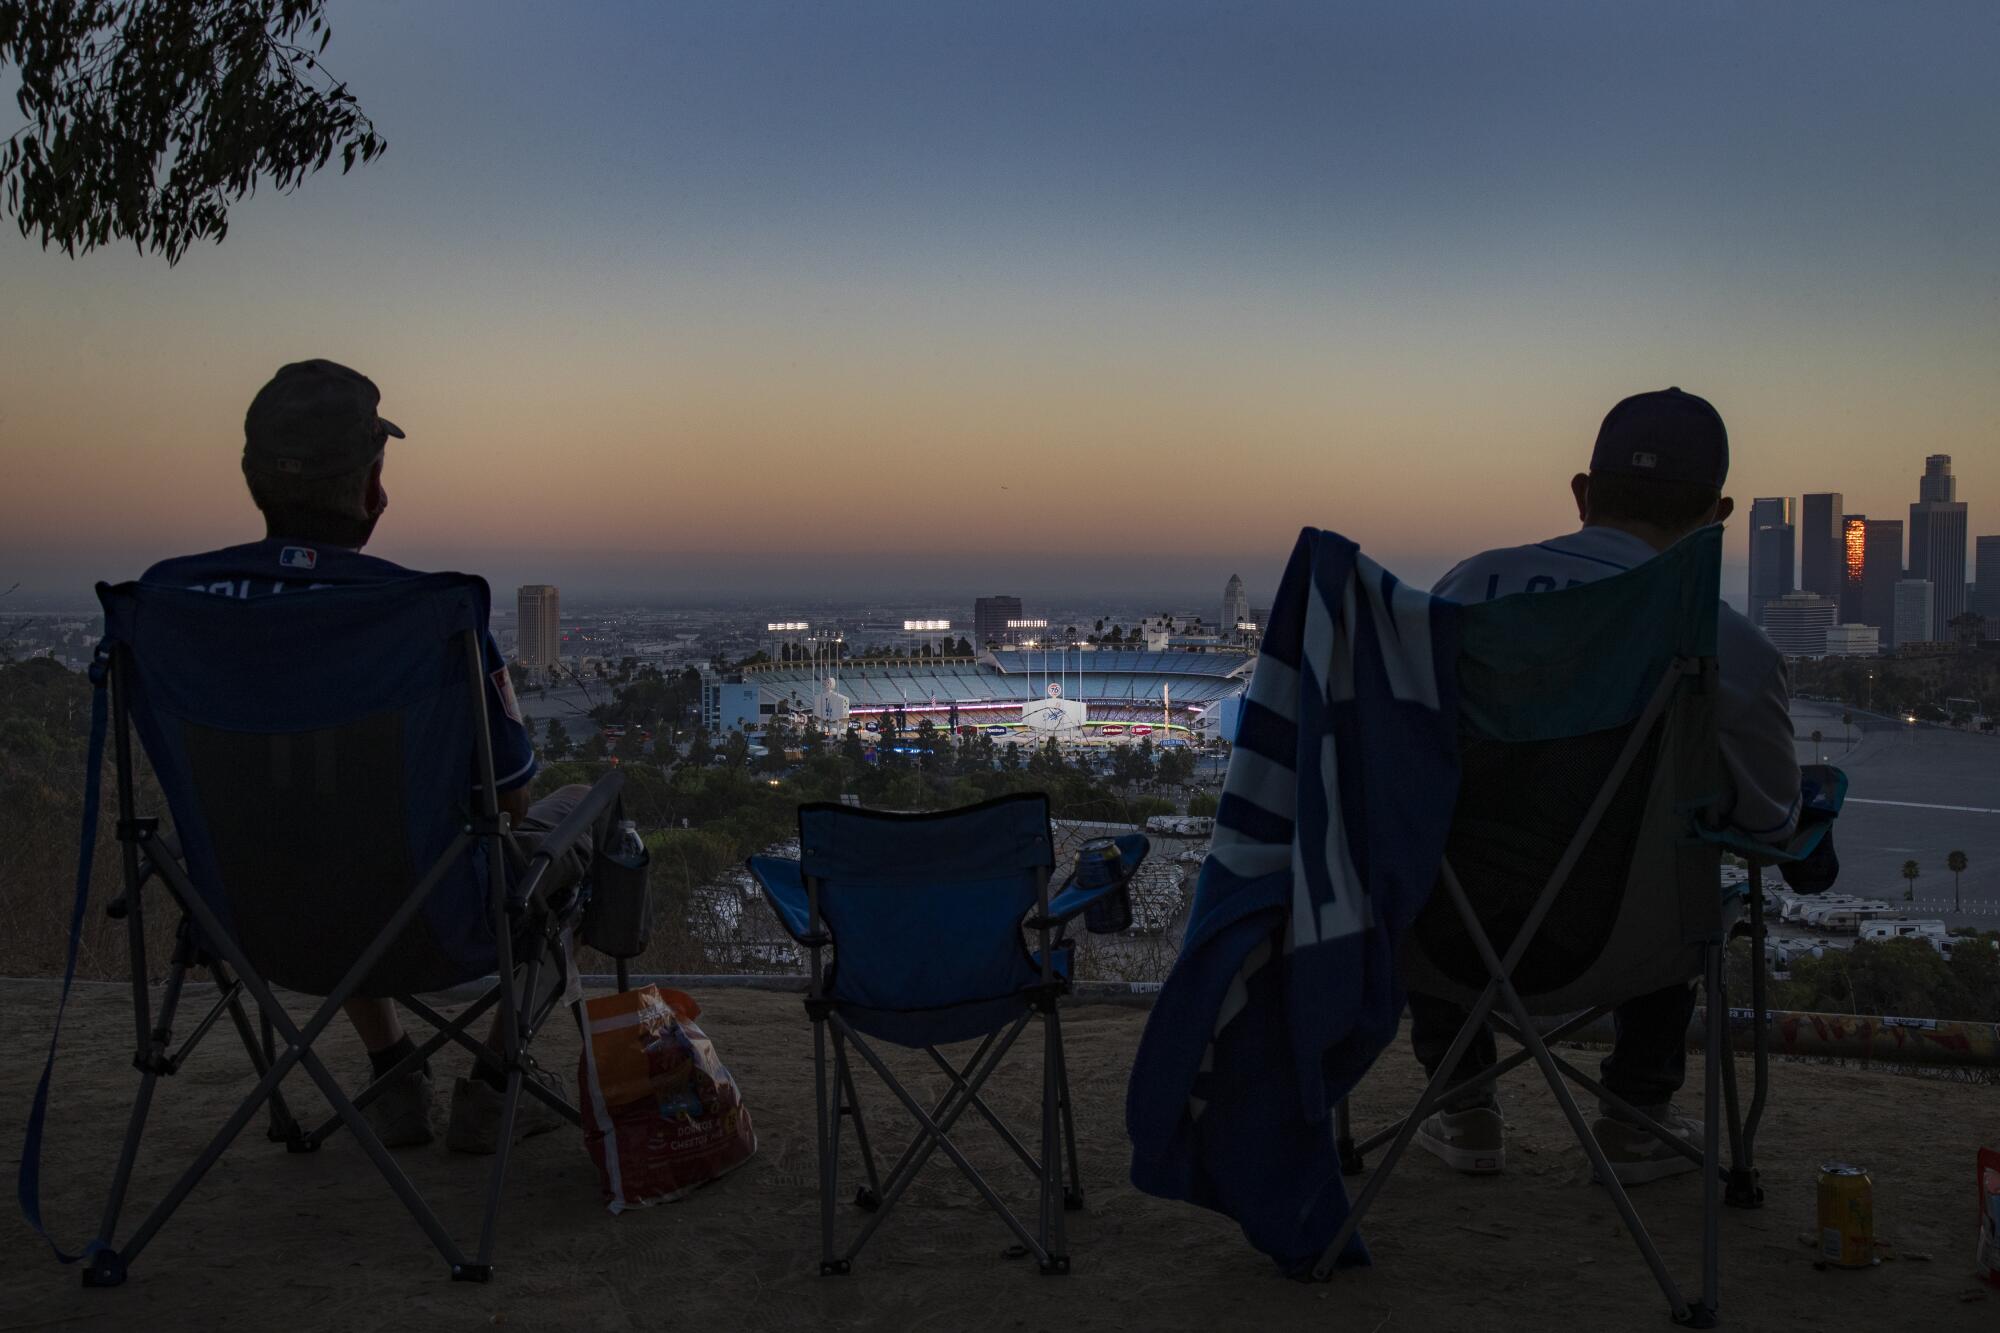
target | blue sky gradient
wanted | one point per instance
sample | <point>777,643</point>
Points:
<point>776,297</point>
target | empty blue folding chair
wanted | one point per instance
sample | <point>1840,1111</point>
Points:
<point>924,916</point>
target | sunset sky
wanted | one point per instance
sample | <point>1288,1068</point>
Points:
<point>738,297</point>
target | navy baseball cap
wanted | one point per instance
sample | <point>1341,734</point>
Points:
<point>315,419</point>
<point>1667,435</point>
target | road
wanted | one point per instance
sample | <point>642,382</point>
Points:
<point>1915,793</point>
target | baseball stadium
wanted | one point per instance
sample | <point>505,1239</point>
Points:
<point>1089,695</point>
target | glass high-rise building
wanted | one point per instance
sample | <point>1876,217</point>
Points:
<point>989,620</point>
<point>1853,566</point>
<point>1937,483</point>
<point>1986,573</point>
<point>1937,540</point>
<point>1773,532</point>
<point>538,637</point>
<point>1820,548</point>
<point>1913,612</point>
<point>1882,570</point>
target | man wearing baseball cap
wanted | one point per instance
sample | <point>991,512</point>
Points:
<point>314,446</point>
<point>1656,475</point>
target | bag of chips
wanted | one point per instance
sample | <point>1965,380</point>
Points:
<point>661,1115</point>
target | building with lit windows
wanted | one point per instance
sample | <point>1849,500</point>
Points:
<point>538,636</point>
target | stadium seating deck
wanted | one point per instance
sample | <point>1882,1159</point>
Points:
<point>1108,677</point>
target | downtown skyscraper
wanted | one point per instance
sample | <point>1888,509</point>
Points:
<point>1821,546</point>
<point>1773,540</point>
<point>1881,571</point>
<point>1937,540</point>
<point>538,636</point>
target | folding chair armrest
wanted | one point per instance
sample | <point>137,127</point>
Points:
<point>1798,848</point>
<point>1064,907</point>
<point>785,889</point>
<point>558,840</point>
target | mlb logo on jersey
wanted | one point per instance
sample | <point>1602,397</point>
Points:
<point>298,557</point>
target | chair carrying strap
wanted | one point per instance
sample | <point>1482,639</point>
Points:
<point>30,1180</point>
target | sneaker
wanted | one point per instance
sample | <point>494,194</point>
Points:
<point>1636,1153</point>
<point>475,1115</point>
<point>400,1115</point>
<point>1473,1141</point>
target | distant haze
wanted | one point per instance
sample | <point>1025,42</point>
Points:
<point>706,300</point>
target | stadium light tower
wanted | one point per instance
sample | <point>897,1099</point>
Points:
<point>926,628</point>
<point>1038,631</point>
<point>785,634</point>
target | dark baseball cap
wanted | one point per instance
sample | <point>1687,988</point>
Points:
<point>1667,435</point>
<point>315,419</point>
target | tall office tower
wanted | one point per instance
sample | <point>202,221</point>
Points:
<point>1986,573</point>
<point>1913,611</point>
<point>1937,483</point>
<point>1235,606</point>
<point>1882,569</point>
<point>1853,565</point>
<point>1797,623</point>
<point>1773,527</point>
<point>538,643</point>
<point>1937,540</point>
<point>1820,543</point>
<point>989,620</point>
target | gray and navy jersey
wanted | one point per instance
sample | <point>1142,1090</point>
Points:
<point>1753,710</point>
<point>282,565</point>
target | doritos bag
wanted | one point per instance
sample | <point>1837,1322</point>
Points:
<point>661,1116</point>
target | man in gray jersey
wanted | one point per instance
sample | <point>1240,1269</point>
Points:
<point>1655,476</point>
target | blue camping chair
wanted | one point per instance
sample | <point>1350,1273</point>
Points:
<point>1590,865</point>
<point>924,917</point>
<point>327,764</point>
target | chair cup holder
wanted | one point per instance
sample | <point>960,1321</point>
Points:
<point>619,919</point>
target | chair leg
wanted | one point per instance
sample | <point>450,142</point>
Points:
<point>869,1197</point>
<point>284,1127</point>
<point>986,1113</point>
<point>829,1263</point>
<point>932,1132</point>
<point>1682,1312</point>
<point>943,1105</point>
<point>1711,1176</point>
<point>111,1270</point>
<point>1433,1092</point>
<point>1073,1194</point>
<point>1055,1261</point>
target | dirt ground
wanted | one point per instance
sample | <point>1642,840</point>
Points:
<point>316,1242</point>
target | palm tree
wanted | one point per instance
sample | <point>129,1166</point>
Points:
<point>1910,874</point>
<point>1955,863</point>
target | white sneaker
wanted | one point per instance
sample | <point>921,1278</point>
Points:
<point>1637,1155</point>
<point>1472,1141</point>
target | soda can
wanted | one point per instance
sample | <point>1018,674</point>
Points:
<point>1098,864</point>
<point>1846,1217</point>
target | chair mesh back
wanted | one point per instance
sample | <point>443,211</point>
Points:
<point>285,842</point>
<point>316,753</point>
<point>1519,805</point>
<point>925,910</point>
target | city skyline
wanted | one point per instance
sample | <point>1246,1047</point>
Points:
<point>892,299</point>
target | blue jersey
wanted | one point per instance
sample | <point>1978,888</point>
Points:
<point>278,565</point>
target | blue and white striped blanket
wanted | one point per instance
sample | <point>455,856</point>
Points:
<point>1332,822</point>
